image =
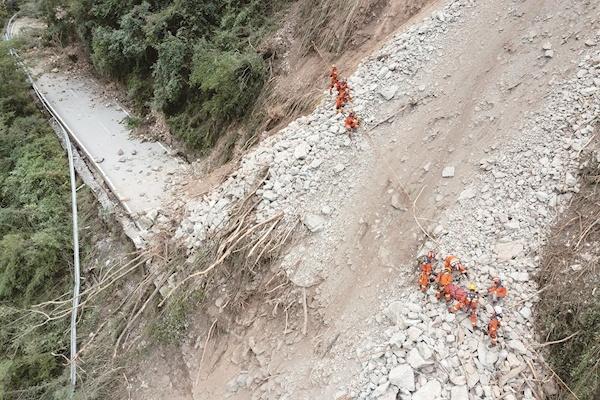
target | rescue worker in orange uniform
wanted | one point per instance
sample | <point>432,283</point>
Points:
<point>494,324</point>
<point>343,96</point>
<point>453,263</point>
<point>497,291</point>
<point>351,122</point>
<point>342,86</point>
<point>454,292</point>
<point>469,303</point>
<point>426,270</point>
<point>333,75</point>
<point>443,279</point>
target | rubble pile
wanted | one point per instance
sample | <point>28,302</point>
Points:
<point>502,218</point>
<point>312,151</point>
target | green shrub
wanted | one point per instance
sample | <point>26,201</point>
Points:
<point>35,241</point>
<point>153,47</point>
<point>229,81</point>
<point>169,72</point>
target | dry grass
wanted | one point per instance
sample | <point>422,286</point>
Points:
<point>569,304</point>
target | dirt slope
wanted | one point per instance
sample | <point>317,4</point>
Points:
<point>478,77</point>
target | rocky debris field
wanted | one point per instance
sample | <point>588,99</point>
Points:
<point>414,348</point>
<point>312,153</point>
<point>427,353</point>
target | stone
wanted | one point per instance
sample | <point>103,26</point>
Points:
<point>448,172</point>
<point>509,250</point>
<point>120,152</point>
<point>381,389</point>
<point>397,203</point>
<point>432,390</point>
<point>547,46</point>
<point>270,195</point>
<point>313,222</point>
<point>133,152</point>
<point>549,53</point>
<point>459,393</point>
<point>388,92</point>
<point>472,375</point>
<point>326,210</point>
<point>122,159</point>
<point>522,276</point>
<point>99,160</point>
<point>467,194</point>
<point>525,312</point>
<point>403,376</point>
<point>425,351</point>
<point>301,151</point>
<point>590,42</point>
<point>414,333</point>
<point>339,168</point>
<point>570,180</point>
<point>415,360</point>
<point>517,346</point>
<point>395,313</point>
<point>397,340</point>
<point>390,394</point>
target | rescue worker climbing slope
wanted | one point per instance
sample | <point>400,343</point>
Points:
<point>497,291</point>
<point>494,324</point>
<point>426,270</point>
<point>351,122</point>
<point>454,264</point>
<point>443,279</point>
<point>333,75</point>
<point>469,303</point>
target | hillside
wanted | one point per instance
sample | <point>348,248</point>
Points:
<point>288,260</point>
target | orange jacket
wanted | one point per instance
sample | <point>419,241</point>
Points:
<point>445,278</point>
<point>493,326</point>
<point>498,291</point>
<point>452,262</point>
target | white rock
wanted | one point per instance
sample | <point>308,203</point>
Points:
<point>525,312</point>
<point>467,194</point>
<point>570,180</point>
<point>313,222</point>
<point>415,360</point>
<point>388,92</point>
<point>448,172</point>
<point>397,340</point>
<point>517,345</point>
<point>301,151</point>
<point>508,251</point>
<point>432,390</point>
<point>270,195</point>
<point>414,333</point>
<point>381,390</point>
<point>339,168</point>
<point>403,377</point>
<point>395,313</point>
<point>547,46</point>
<point>459,393</point>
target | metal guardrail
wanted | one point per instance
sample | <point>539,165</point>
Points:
<point>68,145</point>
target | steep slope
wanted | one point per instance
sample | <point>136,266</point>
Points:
<point>503,92</point>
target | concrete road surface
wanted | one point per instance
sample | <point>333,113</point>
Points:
<point>136,171</point>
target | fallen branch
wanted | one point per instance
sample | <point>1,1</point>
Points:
<point>539,346</point>
<point>204,351</point>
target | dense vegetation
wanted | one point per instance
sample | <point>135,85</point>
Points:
<point>195,60</point>
<point>35,256</point>
<point>569,307</point>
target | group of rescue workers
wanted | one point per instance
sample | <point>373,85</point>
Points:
<point>458,297</point>
<point>342,99</point>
